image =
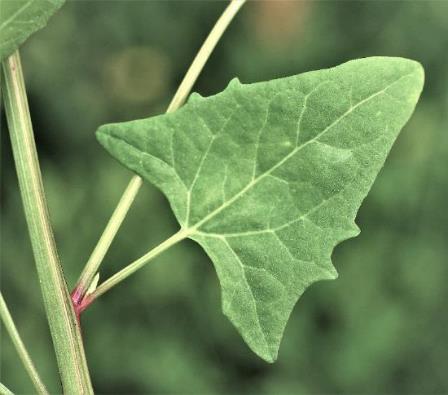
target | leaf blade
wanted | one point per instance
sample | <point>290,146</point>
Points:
<point>268,177</point>
<point>20,19</point>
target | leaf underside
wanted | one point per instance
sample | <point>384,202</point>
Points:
<point>21,18</point>
<point>268,177</point>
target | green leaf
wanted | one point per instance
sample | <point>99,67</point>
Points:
<point>268,177</point>
<point>21,18</point>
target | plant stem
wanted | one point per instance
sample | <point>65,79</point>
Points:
<point>132,189</point>
<point>4,390</point>
<point>133,267</point>
<point>64,327</point>
<point>20,347</point>
<point>106,239</point>
<point>204,53</point>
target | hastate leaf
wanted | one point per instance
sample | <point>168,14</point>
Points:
<point>20,18</point>
<point>268,177</point>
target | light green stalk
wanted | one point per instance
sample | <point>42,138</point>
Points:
<point>64,327</point>
<point>4,390</point>
<point>132,189</point>
<point>20,347</point>
<point>134,266</point>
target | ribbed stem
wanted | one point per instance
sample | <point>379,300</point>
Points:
<point>59,310</point>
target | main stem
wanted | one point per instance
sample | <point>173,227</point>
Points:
<point>20,348</point>
<point>132,189</point>
<point>61,317</point>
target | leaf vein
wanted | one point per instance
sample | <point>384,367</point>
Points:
<point>292,153</point>
<point>254,302</point>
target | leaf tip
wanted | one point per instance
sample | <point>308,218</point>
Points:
<point>270,357</point>
<point>420,74</point>
<point>412,81</point>
<point>102,133</point>
<point>411,69</point>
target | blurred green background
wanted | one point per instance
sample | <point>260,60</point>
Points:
<point>382,327</point>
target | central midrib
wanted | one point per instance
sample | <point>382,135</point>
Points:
<point>281,162</point>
